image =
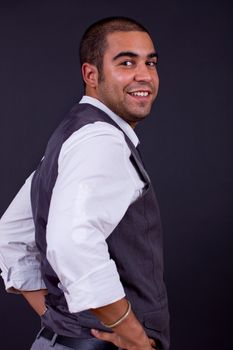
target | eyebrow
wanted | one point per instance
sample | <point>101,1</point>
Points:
<point>133,54</point>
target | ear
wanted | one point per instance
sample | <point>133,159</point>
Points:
<point>90,75</point>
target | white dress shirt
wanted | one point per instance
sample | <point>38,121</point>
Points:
<point>95,185</point>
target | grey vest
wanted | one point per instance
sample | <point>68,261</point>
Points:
<point>135,244</point>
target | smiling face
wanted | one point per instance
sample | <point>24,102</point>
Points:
<point>128,83</point>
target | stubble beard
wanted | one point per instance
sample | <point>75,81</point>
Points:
<point>121,109</point>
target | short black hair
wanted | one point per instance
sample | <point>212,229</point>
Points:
<point>94,41</point>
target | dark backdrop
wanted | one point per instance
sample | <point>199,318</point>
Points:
<point>187,142</point>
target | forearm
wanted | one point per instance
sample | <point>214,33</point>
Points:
<point>36,299</point>
<point>129,330</point>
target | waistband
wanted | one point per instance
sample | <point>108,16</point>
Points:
<point>75,343</point>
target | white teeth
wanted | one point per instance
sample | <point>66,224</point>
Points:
<point>140,93</point>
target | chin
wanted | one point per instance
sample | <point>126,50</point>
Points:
<point>136,117</point>
<point>133,115</point>
<point>140,115</point>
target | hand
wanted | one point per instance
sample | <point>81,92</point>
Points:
<point>119,341</point>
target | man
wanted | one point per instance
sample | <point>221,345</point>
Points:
<point>98,252</point>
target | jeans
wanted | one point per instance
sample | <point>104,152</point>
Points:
<point>42,343</point>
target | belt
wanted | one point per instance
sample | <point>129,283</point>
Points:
<point>75,343</point>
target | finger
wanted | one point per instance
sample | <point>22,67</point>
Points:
<point>103,335</point>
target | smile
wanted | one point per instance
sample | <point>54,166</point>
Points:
<point>140,93</point>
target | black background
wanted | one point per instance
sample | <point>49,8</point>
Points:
<point>187,142</point>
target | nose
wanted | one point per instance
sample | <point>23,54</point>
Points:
<point>143,73</point>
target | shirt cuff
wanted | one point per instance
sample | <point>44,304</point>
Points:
<point>18,279</point>
<point>101,287</point>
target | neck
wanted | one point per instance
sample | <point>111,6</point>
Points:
<point>90,93</point>
<point>132,124</point>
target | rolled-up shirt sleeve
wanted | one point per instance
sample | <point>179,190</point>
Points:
<point>93,190</point>
<point>19,256</point>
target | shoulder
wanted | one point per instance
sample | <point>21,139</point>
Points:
<point>96,134</point>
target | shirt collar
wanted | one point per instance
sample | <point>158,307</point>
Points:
<point>121,122</point>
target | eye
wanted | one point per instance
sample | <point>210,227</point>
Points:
<point>126,63</point>
<point>151,63</point>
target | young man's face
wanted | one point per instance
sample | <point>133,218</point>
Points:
<point>129,83</point>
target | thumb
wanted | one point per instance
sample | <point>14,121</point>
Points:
<point>102,335</point>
